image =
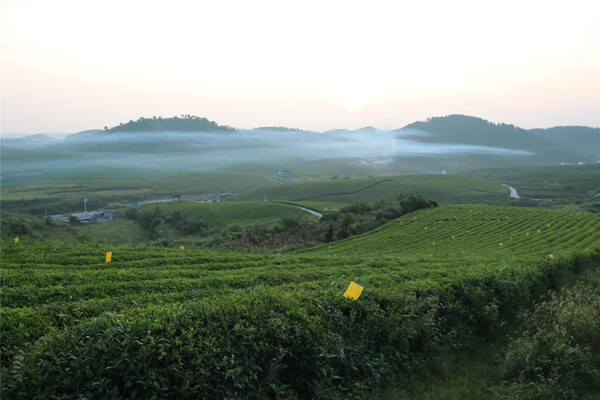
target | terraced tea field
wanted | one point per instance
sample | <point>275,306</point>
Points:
<point>442,188</point>
<point>188,323</point>
<point>475,229</point>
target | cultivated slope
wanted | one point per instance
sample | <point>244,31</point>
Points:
<point>442,188</point>
<point>223,214</point>
<point>475,230</point>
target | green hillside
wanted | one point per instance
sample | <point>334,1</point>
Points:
<point>442,188</point>
<point>319,206</point>
<point>223,214</point>
<point>474,230</point>
<point>62,190</point>
<point>187,123</point>
<point>543,143</point>
<point>168,323</point>
<point>547,182</point>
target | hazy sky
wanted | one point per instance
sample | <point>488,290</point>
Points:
<point>71,65</point>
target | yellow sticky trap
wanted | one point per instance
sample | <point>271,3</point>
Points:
<point>551,256</point>
<point>452,236</point>
<point>182,248</point>
<point>108,256</point>
<point>353,291</point>
<point>16,240</point>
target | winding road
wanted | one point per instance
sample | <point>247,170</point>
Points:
<point>513,192</point>
<point>313,212</point>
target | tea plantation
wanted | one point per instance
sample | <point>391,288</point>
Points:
<point>187,323</point>
<point>472,229</point>
<point>442,188</point>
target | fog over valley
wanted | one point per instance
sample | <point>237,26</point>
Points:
<point>430,146</point>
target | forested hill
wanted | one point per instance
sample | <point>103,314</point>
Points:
<point>185,123</point>
<point>567,142</point>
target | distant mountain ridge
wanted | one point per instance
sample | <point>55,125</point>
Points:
<point>29,142</point>
<point>571,144</point>
<point>566,143</point>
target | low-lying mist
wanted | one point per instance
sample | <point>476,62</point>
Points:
<point>218,150</point>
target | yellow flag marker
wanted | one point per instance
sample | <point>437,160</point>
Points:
<point>527,233</point>
<point>182,248</point>
<point>468,231</point>
<point>425,227</point>
<point>108,256</point>
<point>538,230</point>
<point>353,291</point>
<point>500,244</point>
<point>551,256</point>
<point>16,240</point>
<point>452,236</point>
<point>434,243</point>
<point>548,225</point>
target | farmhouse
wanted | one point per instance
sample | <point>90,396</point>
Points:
<point>87,217</point>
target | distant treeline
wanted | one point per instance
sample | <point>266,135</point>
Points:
<point>185,123</point>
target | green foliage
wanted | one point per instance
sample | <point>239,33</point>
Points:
<point>22,225</point>
<point>187,123</point>
<point>574,182</point>
<point>441,188</point>
<point>58,191</point>
<point>273,226</point>
<point>169,323</point>
<point>465,230</point>
<point>557,354</point>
